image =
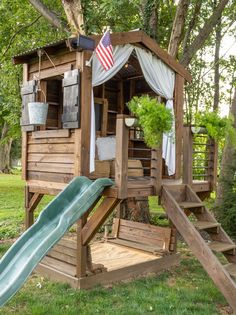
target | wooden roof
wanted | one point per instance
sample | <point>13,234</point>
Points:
<point>133,37</point>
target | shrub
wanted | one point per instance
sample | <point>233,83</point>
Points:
<point>226,213</point>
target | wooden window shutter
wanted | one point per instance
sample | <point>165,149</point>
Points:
<point>28,94</point>
<point>71,99</point>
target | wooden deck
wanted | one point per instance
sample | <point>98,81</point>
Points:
<point>136,188</point>
<point>121,262</point>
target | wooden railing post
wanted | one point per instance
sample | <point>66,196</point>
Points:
<point>187,156</point>
<point>121,162</point>
<point>212,164</point>
<point>156,169</point>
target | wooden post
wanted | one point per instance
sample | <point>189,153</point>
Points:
<point>121,98</point>
<point>82,149</point>
<point>156,169</point>
<point>178,107</point>
<point>31,202</point>
<point>86,90</point>
<point>24,146</point>
<point>212,164</point>
<point>81,253</point>
<point>77,157</point>
<point>121,162</point>
<point>188,156</point>
<point>98,218</point>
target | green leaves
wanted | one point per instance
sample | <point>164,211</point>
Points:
<point>154,118</point>
<point>19,33</point>
<point>217,127</point>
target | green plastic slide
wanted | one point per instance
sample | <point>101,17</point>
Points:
<point>52,223</point>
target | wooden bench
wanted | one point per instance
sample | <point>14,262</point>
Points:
<point>146,237</point>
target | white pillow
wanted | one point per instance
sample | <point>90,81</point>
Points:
<point>106,148</point>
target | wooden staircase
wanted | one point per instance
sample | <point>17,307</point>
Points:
<point>181,201</point>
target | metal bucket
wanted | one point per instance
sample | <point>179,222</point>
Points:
<point>37,113</point>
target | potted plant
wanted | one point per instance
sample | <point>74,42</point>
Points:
<point>217,127</point>
<point>153,117</point>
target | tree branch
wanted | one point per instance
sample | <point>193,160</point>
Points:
<point>177,28</point>
<point>203,34</point>
<point>74,13</point>
<point>16,33</point>
<point>191,25</point>
<point>48,15</point>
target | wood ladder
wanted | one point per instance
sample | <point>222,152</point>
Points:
<point>181,201</point>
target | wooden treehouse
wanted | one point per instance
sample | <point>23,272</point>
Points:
<point>61,149</point>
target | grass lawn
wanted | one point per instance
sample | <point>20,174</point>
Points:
<point>183,290</point>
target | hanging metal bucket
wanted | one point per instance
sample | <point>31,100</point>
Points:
<point>37,113</point>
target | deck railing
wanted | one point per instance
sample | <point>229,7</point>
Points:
<point>199,157</point>
<point>134,160</point>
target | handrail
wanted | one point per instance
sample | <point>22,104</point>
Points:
<point>203,151</point>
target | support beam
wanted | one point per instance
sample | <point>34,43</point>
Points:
<point>121,161</point>
<point>86,90</point>
<point>178,108</point>
<point>81,253</point>
<point>98,218</point>
<point>31,202</point>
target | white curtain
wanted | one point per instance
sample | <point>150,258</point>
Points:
<point>99,76</point>
<point>161,80</point>
<point>159,77</point>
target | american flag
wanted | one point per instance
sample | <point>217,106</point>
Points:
<point>104,51</point>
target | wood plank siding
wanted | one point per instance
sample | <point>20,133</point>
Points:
<point>56,65</point>
<point>51,156</point>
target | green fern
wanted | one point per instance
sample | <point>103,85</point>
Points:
<point>217,127</point>
<point>154,118</point>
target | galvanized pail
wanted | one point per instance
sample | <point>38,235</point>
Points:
<point>37,113</point>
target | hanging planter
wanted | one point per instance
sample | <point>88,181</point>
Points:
<point>38,113</point>
<point>154,118</point>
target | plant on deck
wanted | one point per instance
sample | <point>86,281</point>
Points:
<point>217,127</point>
<point>154,118</point>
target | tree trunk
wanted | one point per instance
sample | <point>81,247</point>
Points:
<point>74,14</point>
<point>178,26</point>
<point>191,25</point>
<point>5,150</point>
<point>203,34</point>
<point>217,66</point>
<point>135,209</point>
<point>48,14</point>
<point>149,12</point>
<point>227,158</point>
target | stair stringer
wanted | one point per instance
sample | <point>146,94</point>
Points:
<point>200,249</point>
<point>222,236</point>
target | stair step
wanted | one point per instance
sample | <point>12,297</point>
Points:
<point>231,268</point>
<point>204,225</point>
<point>221,247</point>
<point>190,204</point>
